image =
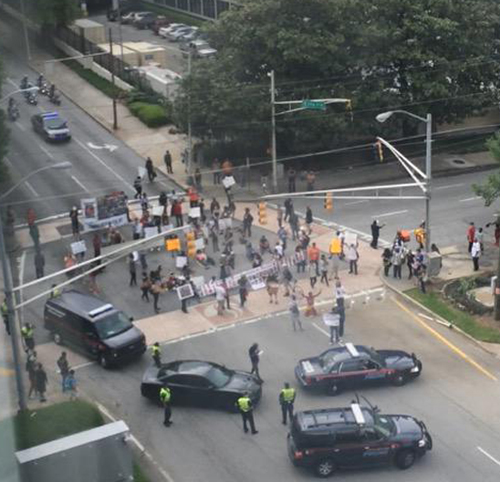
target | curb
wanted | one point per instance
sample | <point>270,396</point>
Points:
<point>434,317</point>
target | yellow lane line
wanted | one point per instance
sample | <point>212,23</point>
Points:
<point>450,345</point>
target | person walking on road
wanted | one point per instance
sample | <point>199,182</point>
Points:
<point>293,307</point>
<point>288,208</point>
<point>28,335</point>
<point>397,261</point>
<point>324,270</point>
<point>220,298</point>
<point>138,187</point>
<point>41,381</point>
<point>247,223</point>
<point>312,274</point>
<point>132,270</point>
<point>155,291</point>
<point>352,256</point>
<point>475,253</point>
<point>375,227</point>
<point>313,254</point>
<point>63,366</point>
<point>340,308</point>
<point>287,399</point>
<point>97,243</point>
<point>310,299</point>
<point>254,353</point>
<point>310,180</point>
<point>471,235</point>
<point>145,288</point>
<point>73,215</point>
<point>156,354</point>
<point>309,220</point>
<point>5,316</point>
<point>39,263</point>
<point>150,169</point>
<point>31,366</point>
<point>167,159</point>
<point>245,407</point>
<point>243,290</point>
<point>176,211</point>
<point>165,396</point>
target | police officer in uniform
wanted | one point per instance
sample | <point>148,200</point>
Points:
<point>5,316</point>
<point>28,334</point>
<point>165,396</point>
<point>245,407</point>
<point>286,399</point>
<point>156,354</point>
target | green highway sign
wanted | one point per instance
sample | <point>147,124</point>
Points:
<point>313,104</point>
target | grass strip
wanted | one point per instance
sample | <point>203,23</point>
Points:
<point>461,319</point>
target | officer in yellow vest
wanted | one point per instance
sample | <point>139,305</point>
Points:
<point>28,335</point>
<point>156,354</point>
<point>165,397</point>
<point>287,398</point>
<point>245,407</point>
<point>5,316</point>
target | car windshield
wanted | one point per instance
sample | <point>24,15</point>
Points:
<point>218,377</point>
<point>113,325</point>
<point>55,123</point>
<point>384,425</point>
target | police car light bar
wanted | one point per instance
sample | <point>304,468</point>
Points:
<point>352,350</point>
<point>358,414</point>
<point>50,115</point>
<point>100,310</point>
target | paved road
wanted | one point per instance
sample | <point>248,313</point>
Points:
<point>453,207</point>
<point>453,397</point>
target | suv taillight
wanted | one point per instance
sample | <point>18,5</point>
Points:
<point>298,454</point>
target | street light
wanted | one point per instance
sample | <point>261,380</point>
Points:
<point>9,296</point>
<point>382,117</point>
<point>29,89</point>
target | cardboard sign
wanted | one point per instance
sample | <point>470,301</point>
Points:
<point>180,262</point>
<point>199,243</point>
<point>141,171</point>
<point>78,247</point>
<point>331,319</point>
<point>148,232</point>
<point>195,212</point>
<point>173,244</point>
<point>350,238</point>
<point>185,291</point>
<point>228,181</point>
<point>158,211</point>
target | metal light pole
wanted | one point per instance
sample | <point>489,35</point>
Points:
<point>273,133</point>
<point>428,165</point>
<point>29,89</point>
<point>115,119</point>
<point>9,295</point>
<point>25,30</point>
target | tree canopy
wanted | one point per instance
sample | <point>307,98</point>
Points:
<point>437,56</point>
<point>56,13</point>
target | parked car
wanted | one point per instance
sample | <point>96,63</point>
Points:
<point>195,382</point>
<point>177,34</point>
<point>145,21</point>
<point>129,17</point>
<point>355,437</point>
<point>94,327</point>
<point>348,366</point>
<point>198,48</point>
<point>164,31</point>
<point>192,35</point>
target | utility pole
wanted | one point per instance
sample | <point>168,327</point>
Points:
<point>428,172</point>
<point>12,320</point>
<point>190,134</point>
<point>116,5</point>
<point>115,120</point>
<point>273,134</point>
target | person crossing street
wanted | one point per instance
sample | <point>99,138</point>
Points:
<point>165,396</point>
<point>156,354</point>
<point>245,407</point>
<point>287,399</point>
<point>28,334</point>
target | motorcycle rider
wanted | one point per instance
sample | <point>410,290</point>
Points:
<point>40,81</point>
<point>24,82</point>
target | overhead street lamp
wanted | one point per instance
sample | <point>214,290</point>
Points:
<point>29,89</point>
<point>382,117</point>
<point>9,296</point>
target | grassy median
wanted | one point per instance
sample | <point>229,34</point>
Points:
<point>466,322</point>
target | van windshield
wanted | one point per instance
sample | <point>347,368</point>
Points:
<point>112,325</point>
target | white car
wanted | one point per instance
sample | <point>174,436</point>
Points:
<point>164,31</point>
<point>129,17</point>
<point>177,34</point>
<point>198,48</point>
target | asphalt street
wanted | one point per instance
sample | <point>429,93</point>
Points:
<point>453,207</point>
<point>453,397</point>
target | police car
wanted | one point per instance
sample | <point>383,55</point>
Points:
<point>357,436</point>
<point>355,365</point>
<point>51,127</point>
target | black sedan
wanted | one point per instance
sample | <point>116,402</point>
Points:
<point>355,365</point>
<point>194,382</point>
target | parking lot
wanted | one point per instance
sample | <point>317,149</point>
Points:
<point>453,397</point>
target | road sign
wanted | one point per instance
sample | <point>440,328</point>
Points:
<point>313,104</point>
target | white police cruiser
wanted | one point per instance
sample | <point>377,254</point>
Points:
<point>51,127</point>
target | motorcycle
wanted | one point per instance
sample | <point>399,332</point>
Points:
<point>55,99</point>
<point>13,112</point>
<point>44,89</point>
<point>31,98</point>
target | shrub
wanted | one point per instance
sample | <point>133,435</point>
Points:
<point>151,114</point>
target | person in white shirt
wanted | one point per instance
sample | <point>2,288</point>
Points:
<point>475,253</point>
<point>220,297</point>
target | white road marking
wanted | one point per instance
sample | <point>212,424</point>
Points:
<point>361,201</point>
<point>321,329</point>
<point>18,124</point>
<point>31,188</point>
<point>394,213</point>
<point>79,183</point>
<point>97,158</point>
<point>493,459</point>
<point>475,198</point>
<point>45,150</point>
<point>450,186</point>
<point>8,162</point>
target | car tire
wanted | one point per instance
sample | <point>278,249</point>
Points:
<point>57,338</point>
<point>399,379</point>
<point>405,459</point>
<point>325,468</point>
<point>103,361</point>
<point>334,389</point>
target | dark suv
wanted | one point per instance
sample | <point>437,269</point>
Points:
<point>334,438</point>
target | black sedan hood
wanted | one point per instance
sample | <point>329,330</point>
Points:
<point>406,426</point>
<point>397,359</point>
<point>242,382</point>
<point>132,335</point>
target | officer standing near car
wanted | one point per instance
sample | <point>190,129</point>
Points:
<point>165,396</point>
<point>28,335</point>
<point>156,354</point>
<point>287,399</point>
<point>245,407</point>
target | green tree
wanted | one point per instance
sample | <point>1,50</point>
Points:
<point>56,13</point>
<point>490,190</point>
<point>433,56</point>
<point>4,136</point>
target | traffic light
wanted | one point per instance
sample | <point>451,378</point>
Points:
<point>379,151</point>
<point>191,244</point>
<point>328,204</point>
<point>262,213</point>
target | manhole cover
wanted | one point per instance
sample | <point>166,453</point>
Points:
<point>459,162</point>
